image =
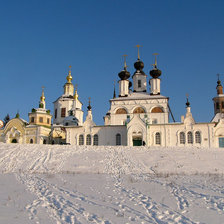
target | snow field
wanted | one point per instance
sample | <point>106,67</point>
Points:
<point>105,185</point>
<point>109,160</point>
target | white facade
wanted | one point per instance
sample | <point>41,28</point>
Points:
<point>68,104</point>
<point>136,117</point>
<point>139,117</point>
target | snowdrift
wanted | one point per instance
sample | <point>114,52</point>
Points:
<point>109,160</point>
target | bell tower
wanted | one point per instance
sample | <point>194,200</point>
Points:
<point>40,116</point>
<point>68,87</point>
<point>139,77</point>
<point>124,82</point>
<point>155,81</point>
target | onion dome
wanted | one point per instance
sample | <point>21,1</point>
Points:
<point>42,98</point>
<point>219,87</point>
<point>69,77</point>
<point>139,65</point>
<point>155,72</point>
<point>89,106</point>
<point>124,74</point>
<point>187,103</point>
<point>17,115</point>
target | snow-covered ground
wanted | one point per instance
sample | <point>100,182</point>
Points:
<point>70,184</point>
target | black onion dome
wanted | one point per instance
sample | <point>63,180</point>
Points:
<point>124,74</point>
<point>139,65</point>
<point>218,83</point>
<point>89,107</point>
<point>188,103</point>
<point>155,73</point>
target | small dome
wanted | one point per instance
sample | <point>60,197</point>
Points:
<point>139,65</point>
<point>155,73</point>
<point>187,103</point>
<point>89,107</point>
<point>124,74</point>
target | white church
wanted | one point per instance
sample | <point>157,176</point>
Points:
<point>136,117</point>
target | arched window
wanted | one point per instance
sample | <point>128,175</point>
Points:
<point>139,110</point>
<point>45,141</point>
<point>158,138</point>
<point>81,140</point>
<point>182,138</point>
<point>31,141</point>
<point>118,139</point>
<point>157,110</point>
<point>198,137</point>
<point>189,137</point>
<point>95,140</point>
<point>88,140</point>
<point>121,111</point>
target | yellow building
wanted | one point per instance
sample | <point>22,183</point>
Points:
<point>36,131</point>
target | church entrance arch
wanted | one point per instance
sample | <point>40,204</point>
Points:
<point>137,138</point>
<point>14,140</point>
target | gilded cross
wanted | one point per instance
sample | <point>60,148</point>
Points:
<point>138,46</point>
<point>125,65</point>
<point>155,59</point>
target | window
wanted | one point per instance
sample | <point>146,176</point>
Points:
<point>217,105</point>
<point>55,113</point>
<point>63,112</point>
<point>138,110</point>
<point>158,138</point>
<point>118,139</point>
<point>95,140</point>
<point>139,84</point>
<point>198,137</point>
<point>88,140</point>
<point>154,121</point>
<point>189,138</point>
<point>31,141</point>
<point>48,121</point>
<point>45,141</point>
<point>222,104</point>
<point>157,110</point>
<point>182,138</point>
<point>32,120</point>
<point>81,140</point>
<point>41,119</point>
<point>221,142</point>
<point>121,111</point>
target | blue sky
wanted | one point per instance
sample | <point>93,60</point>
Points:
<point>40,39</point>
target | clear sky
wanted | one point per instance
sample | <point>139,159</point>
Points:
<point>39,39</point>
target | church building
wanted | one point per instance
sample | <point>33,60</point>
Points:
<point>136,117</point>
